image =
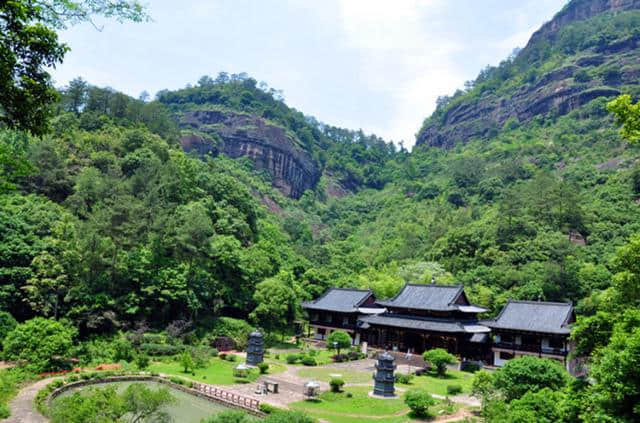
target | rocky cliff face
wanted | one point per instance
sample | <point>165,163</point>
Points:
<point>270,147</point>
<point>559,90</point>
<point>579,10</point>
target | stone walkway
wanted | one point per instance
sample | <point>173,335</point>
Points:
<point>23,409</point>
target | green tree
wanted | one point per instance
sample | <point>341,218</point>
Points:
<point>339,339</point>
<point>276,302</point>
<point>230,416</point>
<point>14,165</point>
<point>627,114</point>
<point>186,361</point>
<point>288,417</point>
<point>419,401</point>
<point>39,342</point>
<point>29,45</point>
<point>137,404</point>
<point>144,404</point>
<point>7,324</point>
<point>440,359</point>
<point>482,387</point>
<point>92,406</point>
<point>535,407</point>
<point>616,370</point>
<point>591,333</point>
<point>528,374</point>
<point>142,361</point>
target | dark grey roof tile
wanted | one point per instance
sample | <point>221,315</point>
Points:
<point>339,300</point>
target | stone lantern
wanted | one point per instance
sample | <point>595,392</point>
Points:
<point>255,349</point>
<point>383,376</point>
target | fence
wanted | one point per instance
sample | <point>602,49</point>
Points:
<point>226,396</point>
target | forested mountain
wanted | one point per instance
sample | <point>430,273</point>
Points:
<point>589,50</point>
<point>534,209</point>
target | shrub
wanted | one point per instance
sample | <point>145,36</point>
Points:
<point>454,389</point>
<point>213,352</point>
<point>339,339</point>
<point>71,379</point>
<point>293,358</point>
<point>528,374</point>
<point>38,341</point>
<point>336,384</point>
<point>161,349</point>
<point>267,408</point>
<point>232,357</point>
<point>277,356</point>
<point>4,411</point>
<point>439,358</point>
<point>339,358</point>
<point>349,395</point>
<point>177,380</point>
<point>230,416</point>
<point>309,361</point>
<point>201,356</point>
<point>142,361</point>
<point>236,329</point>
<point>122,350</point>
<point>186,361</point>
<point>154,338</point>
<point>263,367</point>
<point>7,324</point>
<point>223,356</point>
<point>56,383</point>
<point>355,355</point>
<point>286,416</point>
<point>419,401</point>
<point>403,378</point>
<point>470,366</point>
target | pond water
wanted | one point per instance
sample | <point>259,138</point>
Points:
<point>187,409</point>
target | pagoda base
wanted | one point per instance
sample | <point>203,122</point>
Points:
<point>372,394</point>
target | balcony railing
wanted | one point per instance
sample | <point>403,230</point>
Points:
<point>333,324</point>
<point>530,348</point>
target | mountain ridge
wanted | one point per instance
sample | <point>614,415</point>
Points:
<point>588,50</point>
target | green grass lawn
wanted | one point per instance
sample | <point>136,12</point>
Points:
<point>218,372</point>
<point>437,385</point>
<point>338,408</point>
<point>360,403</point>
<point>323,374</point>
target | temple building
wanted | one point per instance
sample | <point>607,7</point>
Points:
<point>422,317</point>
<point>532,328</point>
<point>339,309</point>
<point>426,316</point>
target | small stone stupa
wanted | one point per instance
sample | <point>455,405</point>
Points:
<point>383,377</point>
<point>255,349</point>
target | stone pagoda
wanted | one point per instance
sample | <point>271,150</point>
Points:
<point>383,377</point>
<point>255,349</point>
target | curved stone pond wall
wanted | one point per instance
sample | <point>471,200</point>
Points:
<point>192,405</point>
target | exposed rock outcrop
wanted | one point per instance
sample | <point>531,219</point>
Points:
<point>270,147</point>
<point>556,91</point>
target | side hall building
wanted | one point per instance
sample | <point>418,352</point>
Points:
<point>427,316</point>
<point>531,328</point>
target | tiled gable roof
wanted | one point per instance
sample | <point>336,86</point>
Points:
<point>534,316</point>
<point>426,297</point>
<point>339,300</point>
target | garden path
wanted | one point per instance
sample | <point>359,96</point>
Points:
<point>23,409</point>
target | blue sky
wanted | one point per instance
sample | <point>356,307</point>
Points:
<point>370,64</point>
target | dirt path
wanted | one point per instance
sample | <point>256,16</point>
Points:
<point>23,409</point>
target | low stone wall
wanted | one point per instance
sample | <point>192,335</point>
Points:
<point>144,378</point>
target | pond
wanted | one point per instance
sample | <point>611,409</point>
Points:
<point>187,408</point>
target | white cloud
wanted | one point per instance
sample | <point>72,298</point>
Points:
<point>403,57</point>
